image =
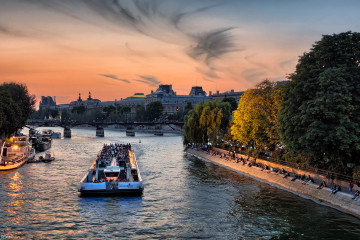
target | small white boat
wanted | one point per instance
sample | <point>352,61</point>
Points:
<point>49,157</point>
<point>113,172</point>
<point>51,133</point>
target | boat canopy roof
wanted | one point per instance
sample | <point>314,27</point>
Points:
<point>110,169</point>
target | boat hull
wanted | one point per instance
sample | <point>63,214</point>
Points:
<point>42,147</point>
<point>105,188</point>
<point>93,193</point>
<point>130,133</point>
<point>56,135</point>
<point>12,166</point>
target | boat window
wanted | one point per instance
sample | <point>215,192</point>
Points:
<point>5,152</point>
<point>112,174</point>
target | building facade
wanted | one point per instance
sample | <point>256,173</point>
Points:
<point>47,103</point>
<point>172,102</point>
<point>89,103</point>
<point>220,96</point>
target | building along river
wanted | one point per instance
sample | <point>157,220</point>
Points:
<point>184,197</point>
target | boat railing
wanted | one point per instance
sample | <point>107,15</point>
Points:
<point>137,167</point>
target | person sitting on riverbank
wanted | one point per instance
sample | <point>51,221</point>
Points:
<point>287,174</point>
<point>294,178</point>
<point>335,189</point>
<point>308,180</point>
<point>322,185</point>
<point>356,195</point>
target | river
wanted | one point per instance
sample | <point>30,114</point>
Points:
<point>183,198</point>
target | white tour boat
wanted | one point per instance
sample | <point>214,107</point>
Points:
<point>15,153</point>
<point>113,171</point>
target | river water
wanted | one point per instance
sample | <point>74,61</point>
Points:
<point>183,198</point>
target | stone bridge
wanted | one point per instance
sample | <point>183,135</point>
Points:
<point>131,127</point>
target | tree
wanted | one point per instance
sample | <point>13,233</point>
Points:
<point>79,109</point>
<point>203,123</point>
<point>140,112</point>
<point>10,114</point>
<point>256,118</point>
<point>320,114</point>
<point>65,115</point>
<point>16,106</point>
<point>121,109</point>
<point>21,97</point>
<point>154,110</point>
<point>188,108</point>
<point>232,102</point>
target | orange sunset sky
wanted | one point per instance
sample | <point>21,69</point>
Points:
<point>116,48</point>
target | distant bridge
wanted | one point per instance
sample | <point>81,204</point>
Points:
<point>157,127</point>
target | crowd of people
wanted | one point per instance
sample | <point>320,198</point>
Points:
<point>107,154</point>
<point>232,156</point>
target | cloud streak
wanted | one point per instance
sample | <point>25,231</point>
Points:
<point>149,80</point>
<point>7,31</point>
<point>114,77</point>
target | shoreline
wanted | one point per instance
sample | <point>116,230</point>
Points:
<point>340,201</point>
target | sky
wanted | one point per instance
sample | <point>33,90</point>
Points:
<point>116,48</point>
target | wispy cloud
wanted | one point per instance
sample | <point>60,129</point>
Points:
<point>287,63</point>
<point>8,31</point>
<point>211,46</point>
<point>253,74</point>
<point>161,20</point>
<point>149,80</point>
<point>114,77</point>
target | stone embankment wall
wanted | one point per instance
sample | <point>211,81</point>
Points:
<point>341,200</point>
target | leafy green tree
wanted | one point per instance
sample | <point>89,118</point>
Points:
<point>226,115</point>
<point>65,116</point>
<point>256,119</point>
<point>154,110</point>
<point>188,108</point>
<point>320,116</point>
<point>16,106</point>
<point>79,109</point>
<point>203,123</point>
<point>21,97</point>
<point>10,115</point>
<point>232,102</point>
<point>140,112</point>
<point>123,110</point>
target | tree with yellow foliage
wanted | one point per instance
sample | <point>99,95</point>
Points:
<point>256,118</point>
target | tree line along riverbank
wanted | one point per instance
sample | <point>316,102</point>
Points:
<point>311,121</point>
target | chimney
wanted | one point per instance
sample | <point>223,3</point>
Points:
<point>232,90</point>
<point>217,92</point>
<point>210,92</point>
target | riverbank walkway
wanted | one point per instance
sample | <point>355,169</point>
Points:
<point>340,200</point>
